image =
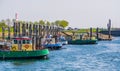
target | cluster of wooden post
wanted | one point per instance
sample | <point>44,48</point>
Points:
<point>34,31</point>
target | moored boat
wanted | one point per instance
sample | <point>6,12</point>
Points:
<point>55,46</point>
<point>21,48</point>
<point>79,41</point>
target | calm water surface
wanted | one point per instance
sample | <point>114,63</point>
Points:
<point>104,56</point>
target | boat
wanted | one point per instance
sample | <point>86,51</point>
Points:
<point>78,39</point>
<point>49,42</point>
<point>62,40</point>
<point>54,46</point>
<point>21,48</point>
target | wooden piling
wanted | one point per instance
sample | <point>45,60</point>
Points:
<point>3,33</point>
<point>9,36</point>
<point>90,33</point>
<point>97,30</point>
<point>18,29</point>
<point>40,35</point>
<point>109,29</point>
<point>14,29</point>
<point>23,30</point>
<point>30,31</point>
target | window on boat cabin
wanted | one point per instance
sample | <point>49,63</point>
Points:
<point>23,41</point>
<point>15,41</point>
<point>26,41</point>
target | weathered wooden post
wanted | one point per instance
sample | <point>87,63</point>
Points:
<point>44,27</point>
<point>23,29</point>
<point>50,30</point>
<point>26,29</point>
<point>9,33</point>
<point>90,33</point>
<point>19,29</point>
<point>34,37</point>
<point>30,30</point>
<point>40,30</point>
<point>56,33</point>
<point>15,29</point>
<point>97,31</point>
<point>109,29</point>
<point>37,36</point>
<point>40,35</point>
<point>3,33</point>
<point>47,29</point>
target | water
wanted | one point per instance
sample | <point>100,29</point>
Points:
<point>104,56</point>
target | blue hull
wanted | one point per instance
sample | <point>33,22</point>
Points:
<point>53,46</point>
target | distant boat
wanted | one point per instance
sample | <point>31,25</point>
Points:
<point>54,46</point>
<point>62,40</point>
<point>21,48</point>
<point>78,40</point>
<point>50,42</point>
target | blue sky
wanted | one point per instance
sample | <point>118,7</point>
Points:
<point>79,13</point>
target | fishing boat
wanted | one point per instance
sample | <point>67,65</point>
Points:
<point>21,48</point>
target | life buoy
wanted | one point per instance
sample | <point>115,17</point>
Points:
<point>13,48</point>
<point>26,46</point>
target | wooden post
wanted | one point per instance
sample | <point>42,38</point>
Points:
<point>109,29</point>
<point>34,37</point>
<point>15,29</point>
<point>40,28</point>
<point>9,33</point>
<point>44,30</point>
<point>47,29</point>
<point>27,29</point>
<point>19,29</point>
<point>3,33</point>
<point>23,29</point>
<point>97,30</point>
<point>30,30</point>
<point>90,33</point>
<point>40,34</point>
<point>37,36</point>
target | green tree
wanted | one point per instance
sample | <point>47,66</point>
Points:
<point>48,23</point>
<point>57,23</point>
<point>8,21</point>
<point>35,22</point>
<point>61,23</point>
<point>2,24</point>
<point>41,22</point>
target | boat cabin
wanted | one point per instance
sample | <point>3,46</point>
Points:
<point>21,44</point>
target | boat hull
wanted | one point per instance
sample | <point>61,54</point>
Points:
<point>53,46</point>
<point>24,54</point>
<point>80,42</point>
<point>63,42</point>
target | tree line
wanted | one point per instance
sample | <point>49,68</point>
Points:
<point>61,23</point>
